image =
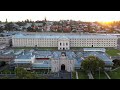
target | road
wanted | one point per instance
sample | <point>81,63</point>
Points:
<point>61,75</point>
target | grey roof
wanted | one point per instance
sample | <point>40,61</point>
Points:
<point>38,65</point>
<point>77,56</point>
<point>24,55</point>
<point>63,36</point>
<point>100,55</point>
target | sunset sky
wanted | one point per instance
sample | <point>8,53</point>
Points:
<point>60,15</point>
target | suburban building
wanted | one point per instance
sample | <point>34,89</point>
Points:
<point>5,40</point>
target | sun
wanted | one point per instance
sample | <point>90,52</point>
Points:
<point>106,21</point>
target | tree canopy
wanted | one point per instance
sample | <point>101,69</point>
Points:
<point>21,73</point>
<point>92,64</point>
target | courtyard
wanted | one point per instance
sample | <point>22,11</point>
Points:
<point>114,74</point>
<point>113,52</point>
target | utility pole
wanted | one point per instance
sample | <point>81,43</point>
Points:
<point>99,72</point>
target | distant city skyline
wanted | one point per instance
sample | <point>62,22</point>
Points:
<point>92,16</point>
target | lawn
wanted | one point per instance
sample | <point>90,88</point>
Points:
<point>7,72</point>
<point>102,75</point>
<point>39,48</point>
<point>114,74</point>
<point>73,75</point>
<point>82,75</point>
<point>113,52</point>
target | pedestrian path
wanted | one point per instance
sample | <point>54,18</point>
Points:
<point>90,75</point>
<point>77,75</point>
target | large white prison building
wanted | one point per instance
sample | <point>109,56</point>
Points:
<point>63,41</point>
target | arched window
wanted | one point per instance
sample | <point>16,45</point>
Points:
<point>66,44</point>
<point>60,44</point>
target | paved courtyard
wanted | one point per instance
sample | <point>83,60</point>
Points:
<point>61,75</point>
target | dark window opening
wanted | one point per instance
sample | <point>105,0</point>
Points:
<point>92,45</point>
<point>66,44</point>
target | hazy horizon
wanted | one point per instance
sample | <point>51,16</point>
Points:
<point>60,15</point>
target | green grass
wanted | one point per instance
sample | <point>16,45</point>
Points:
<point>102,75</point>
<point>114,74</point>
<point>82,75</point>
<point>76,48</point>
<point>113,52</point>
<point>40,48</point>
<point>7,72</point>
<point>73,75</point>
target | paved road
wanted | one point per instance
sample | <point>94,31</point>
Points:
<point>65,75</point>
<point>77,75</point>
<point>90,75</point>
<point>11,76</point>
<point>61,75</point>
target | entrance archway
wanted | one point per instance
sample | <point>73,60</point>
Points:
<point>62,67</point>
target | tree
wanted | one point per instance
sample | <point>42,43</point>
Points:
<point>116,63</point>
<point>9,26</point>
<point>21,73</point>
<point>29,29</point>
<point>92,64</point>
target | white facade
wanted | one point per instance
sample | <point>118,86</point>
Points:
<point>64,42</point>
<point>56,65</point>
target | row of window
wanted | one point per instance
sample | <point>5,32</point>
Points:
<point>63,44</point>
<point>19,44</point>
<point>33,41</point>
<point>38,39</point>
<point>92,39</point>
<point>64,48</point>
<point>89,43</point>
<point>58,39</point>
<point>94,45</point>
